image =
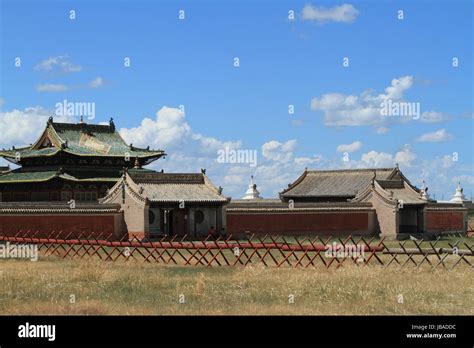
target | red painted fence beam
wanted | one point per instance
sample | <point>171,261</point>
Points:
<point>185,245</point>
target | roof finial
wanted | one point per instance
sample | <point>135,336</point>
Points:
<point>459,195</point>
<point>252,192</point>
<point>137,163</point>
<point>424,192</point>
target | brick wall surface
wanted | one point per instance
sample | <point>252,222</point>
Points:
<point>62,225</point>
<point>444,221</point>
<point>334,223</point>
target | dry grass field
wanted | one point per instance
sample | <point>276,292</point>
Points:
<point>45,287</point>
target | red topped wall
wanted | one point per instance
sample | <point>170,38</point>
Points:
<point>300,223</point>
<point>444,221</point>
<point>88,226</point>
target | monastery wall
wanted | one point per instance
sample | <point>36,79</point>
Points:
<point>446,220</point>
<point>293,222</point>
<point>61,223</point>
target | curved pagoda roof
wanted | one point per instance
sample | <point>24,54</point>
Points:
<point>81,139</point>
<point>167,188</point>
<point>347,183</point>
<point>21,176</point>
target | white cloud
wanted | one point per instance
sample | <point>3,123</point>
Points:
<point>405,157</point>
<point>382,130</point>
<point>2,101</point>
<point>50,87</point>
<point>435,137</point>
<point>276,151</point>
<point>22,127</point>
<point>397,88</point>
<point>308,160</point>
<point>374,159</point>
<point>235,180</point>
<point>96,83</point>
<point>60,64</point>
<point>355,146</point>
<point>341,110</point>
<point>364,109</point>
<point>170,131</point>
<point>189,151</point>
<point>433,116</point>
<point>59,87</point>
<point>445,162</point>
<point>345,13</point>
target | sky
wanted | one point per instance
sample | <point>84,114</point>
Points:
<point>298,84</point>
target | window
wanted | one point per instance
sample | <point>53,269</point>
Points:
<point>20,197</point>
<point>151,217</point>
<point>66,196</point>
<point>198,216</point>
<point>39,196</point>
<point>85,196</point>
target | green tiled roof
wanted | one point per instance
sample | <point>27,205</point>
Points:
<point>83,140</point>
<point>18,176</point>
<point>21,176</point>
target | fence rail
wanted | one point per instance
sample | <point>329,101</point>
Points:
<point>276,251</point>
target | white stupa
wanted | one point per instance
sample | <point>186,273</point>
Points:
<point>459,195</point>
<point>424,192</point>
<point>252,192</point>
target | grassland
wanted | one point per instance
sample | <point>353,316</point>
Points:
<point>45,287</point>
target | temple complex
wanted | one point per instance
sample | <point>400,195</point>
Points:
<point>370,202</point>
<point>70,161</point>
<point>84,179</point>
<point>172,204</point>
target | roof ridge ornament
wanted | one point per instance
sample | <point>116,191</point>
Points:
<point>252,192</point>
<point>458,196</point>
<point>424,192</point>
<point>137,164</point>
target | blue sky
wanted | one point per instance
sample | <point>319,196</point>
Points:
<point>283,62</point>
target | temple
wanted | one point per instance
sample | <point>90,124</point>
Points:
<point>70,161</point>
<point>371,202</point>
<point>83,179</point>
